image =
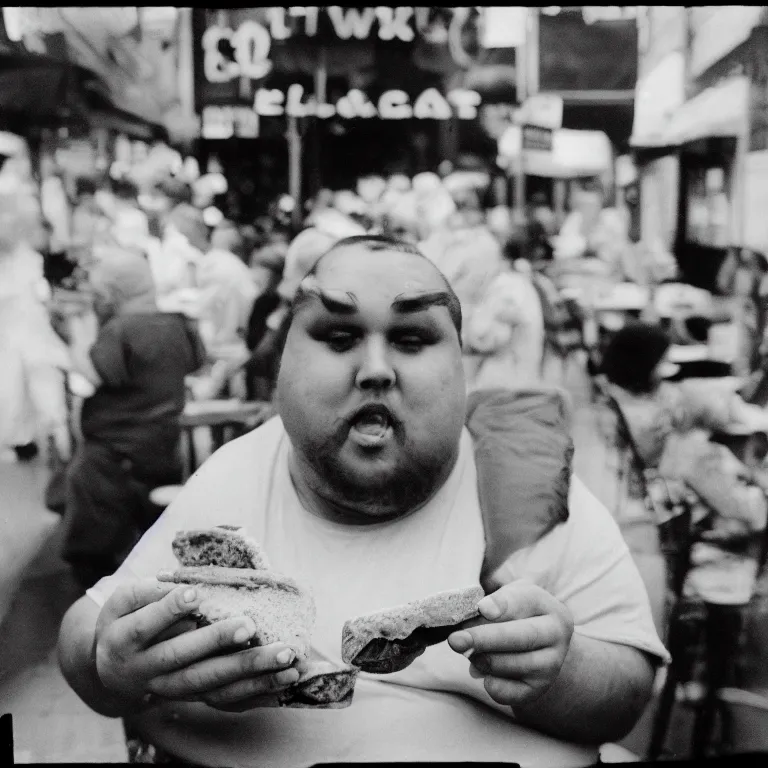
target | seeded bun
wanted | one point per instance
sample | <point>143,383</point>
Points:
<point>388,641</point>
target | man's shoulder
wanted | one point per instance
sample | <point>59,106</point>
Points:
<point>251,454</point>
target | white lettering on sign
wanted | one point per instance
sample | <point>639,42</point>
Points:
<point>350,22</point>
<point>216,68</point>
<point>466,103</point>
<point>268,102</point>
<point>393,105</point>
<point>355,104</point>
<point>252,43</point>
<point>277,26</point>
<point>431,104</point>
<point>225,122</point>
<point>394,23</point>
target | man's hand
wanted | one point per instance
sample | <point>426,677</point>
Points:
<point>519,644</point>
<point>137,656</point>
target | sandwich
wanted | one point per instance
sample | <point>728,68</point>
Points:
<point>232,573</point>
<point>390,640</point>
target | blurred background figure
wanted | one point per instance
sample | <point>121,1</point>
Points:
<point>136,361</point>
<point>34,359</point>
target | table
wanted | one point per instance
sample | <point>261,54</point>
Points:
<point>220,416</point>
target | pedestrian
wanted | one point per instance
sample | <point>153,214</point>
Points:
<point>130,424</point>
<point>35,360</point>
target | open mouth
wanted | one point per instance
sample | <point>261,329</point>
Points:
<point>371,426</point>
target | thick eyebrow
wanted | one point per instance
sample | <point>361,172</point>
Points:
<point>410,304</point>
<point>338,303</point>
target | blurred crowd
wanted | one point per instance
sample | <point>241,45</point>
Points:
<point>122,304</point>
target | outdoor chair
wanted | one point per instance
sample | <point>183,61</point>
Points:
<point>563,327</point>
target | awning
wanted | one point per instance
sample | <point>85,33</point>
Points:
<point>575,154</point>
<point>717,112</point>
<point>40,87</point>
<point>122,122</point>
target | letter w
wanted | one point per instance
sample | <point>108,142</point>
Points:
<point>353,22</point>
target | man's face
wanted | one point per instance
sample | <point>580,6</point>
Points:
<point>371,387</point>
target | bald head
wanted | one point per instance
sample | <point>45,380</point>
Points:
<point>411,300</point>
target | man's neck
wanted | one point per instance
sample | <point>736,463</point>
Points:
<point>316,499</point>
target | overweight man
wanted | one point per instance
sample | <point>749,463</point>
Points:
<point>365,488</point>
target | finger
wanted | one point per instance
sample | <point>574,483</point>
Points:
<point>255,687</point>
<point>516,666</point>
<point>511,637</point>
<point>509,692</point>
<point>519,600</point>
<point>211,674</point>
<point>179,628</point>
<point>141,627</point>
<point>190,647</point>
<point>130,597</point>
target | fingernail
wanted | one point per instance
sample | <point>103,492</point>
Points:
<point>285,657</point>
<point>462,642</point>
<point>189,596</point>
<point>287,677</point>
<point>242,635</point>
<point>489,609</point>
<point>475,673</point>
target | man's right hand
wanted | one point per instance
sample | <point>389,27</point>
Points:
<point>211,664</point>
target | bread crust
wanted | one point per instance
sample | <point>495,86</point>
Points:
<point>390,640</point>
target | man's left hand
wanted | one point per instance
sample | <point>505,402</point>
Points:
<point>519,643</point>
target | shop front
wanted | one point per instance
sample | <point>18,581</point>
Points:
<point>318,97</point>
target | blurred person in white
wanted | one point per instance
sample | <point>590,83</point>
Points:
<point>591,229</point>
<point>671,425</point>
<point>227,293</point>
<point>174,259</point>
<point>32,385</point>
<point>136,359</point>
<point>130,223</point>
<point>85,220</point>
<point>503,331</point>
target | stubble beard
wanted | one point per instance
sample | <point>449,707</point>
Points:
<point>408,485</point>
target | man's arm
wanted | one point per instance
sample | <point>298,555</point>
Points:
<point>77,638</point>
<point>599,695</point>
<point>559,682</point>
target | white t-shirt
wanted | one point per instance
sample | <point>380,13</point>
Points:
<point>433,710</point>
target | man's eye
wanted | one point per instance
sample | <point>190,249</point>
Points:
<point>340,341</point>
<point>410,343</point>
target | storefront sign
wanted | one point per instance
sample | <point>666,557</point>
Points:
<point>224,122</point>
<point>536,138</point>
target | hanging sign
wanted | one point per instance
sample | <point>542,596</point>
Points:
<point>536,138</point>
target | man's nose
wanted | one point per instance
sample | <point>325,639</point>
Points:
<point>376,371</point>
